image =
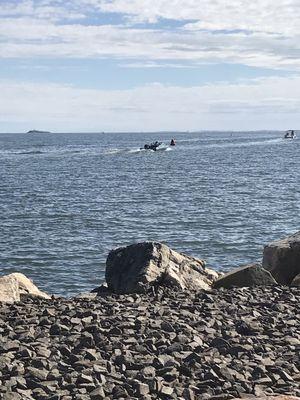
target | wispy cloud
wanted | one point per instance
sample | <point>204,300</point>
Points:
<point>153,64</point>
<point>257,15</point>
<point>153,107</point>
<point>35,38</point>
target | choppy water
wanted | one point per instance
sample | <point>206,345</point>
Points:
<point>67,199</point>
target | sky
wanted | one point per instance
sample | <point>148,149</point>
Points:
<point>149,65</point>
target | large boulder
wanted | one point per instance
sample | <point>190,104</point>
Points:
<point>133,268</point>
<point>27,287</point>
<point>9,289</point>
<point>247,276</point>
<point>296,281</point>
<point>16,285</point>
<point>282,258</point>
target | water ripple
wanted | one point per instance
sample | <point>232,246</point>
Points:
<point>67,200</point>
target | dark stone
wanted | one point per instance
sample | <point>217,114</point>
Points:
<point>282,258</point>
<point>220,343</point>
<point>97,394</point>
<point>296,281</point>
<point>247,276</point>
<point>243,328</point>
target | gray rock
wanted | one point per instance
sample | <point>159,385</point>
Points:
<point>11,396</point>
<point>97,394</point>
<point>131,269</point>
<point>296,280</point>
<point>247,276</point>
<point>141,388</point>
<point>40,374</point>
<point>282,258</point>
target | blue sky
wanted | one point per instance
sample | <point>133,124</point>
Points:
<point>119,65</point>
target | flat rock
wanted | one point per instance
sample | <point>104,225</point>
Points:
<point>133,268</point>
<point>282,258</point>
<point>247,276</point>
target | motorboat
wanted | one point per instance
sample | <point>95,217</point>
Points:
<point>152,146</point>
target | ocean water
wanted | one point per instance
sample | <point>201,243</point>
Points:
<point>66,200</point>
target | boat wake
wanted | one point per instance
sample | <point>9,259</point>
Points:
<point>98,150</point>
<point>242,143</point>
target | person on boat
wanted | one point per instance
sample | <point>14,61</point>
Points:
<point>173,143</point>
<point>152,146</point>
<point>290,134</point>
<point>155,145</point>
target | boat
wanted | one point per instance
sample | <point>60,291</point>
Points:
<point>152,146</point>
<point>290,134</point>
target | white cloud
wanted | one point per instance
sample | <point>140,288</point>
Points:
<point>47,10</point>
<point>256,33</point>
<point>256,15</point>
<point>259,104</point>
<point>36,38</point>
<point>152,64</point>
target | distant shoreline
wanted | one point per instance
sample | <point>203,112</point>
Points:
<point>37,131</point>
<point>154,132</point>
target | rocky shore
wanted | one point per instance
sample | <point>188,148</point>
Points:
<point>164,327</point>
<point>165,344</point>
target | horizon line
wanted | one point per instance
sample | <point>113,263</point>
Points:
<point>143,132</point>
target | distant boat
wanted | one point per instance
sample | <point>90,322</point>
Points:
<point>290,134</point>
<point>36,131</point>
<point>152,146</point>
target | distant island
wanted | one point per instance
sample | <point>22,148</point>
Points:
<point>36,131</point>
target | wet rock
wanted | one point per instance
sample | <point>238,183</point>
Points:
<point>131,269</point>
<point>282,258</point>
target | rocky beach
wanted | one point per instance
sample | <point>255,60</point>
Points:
<point>164,327</point>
